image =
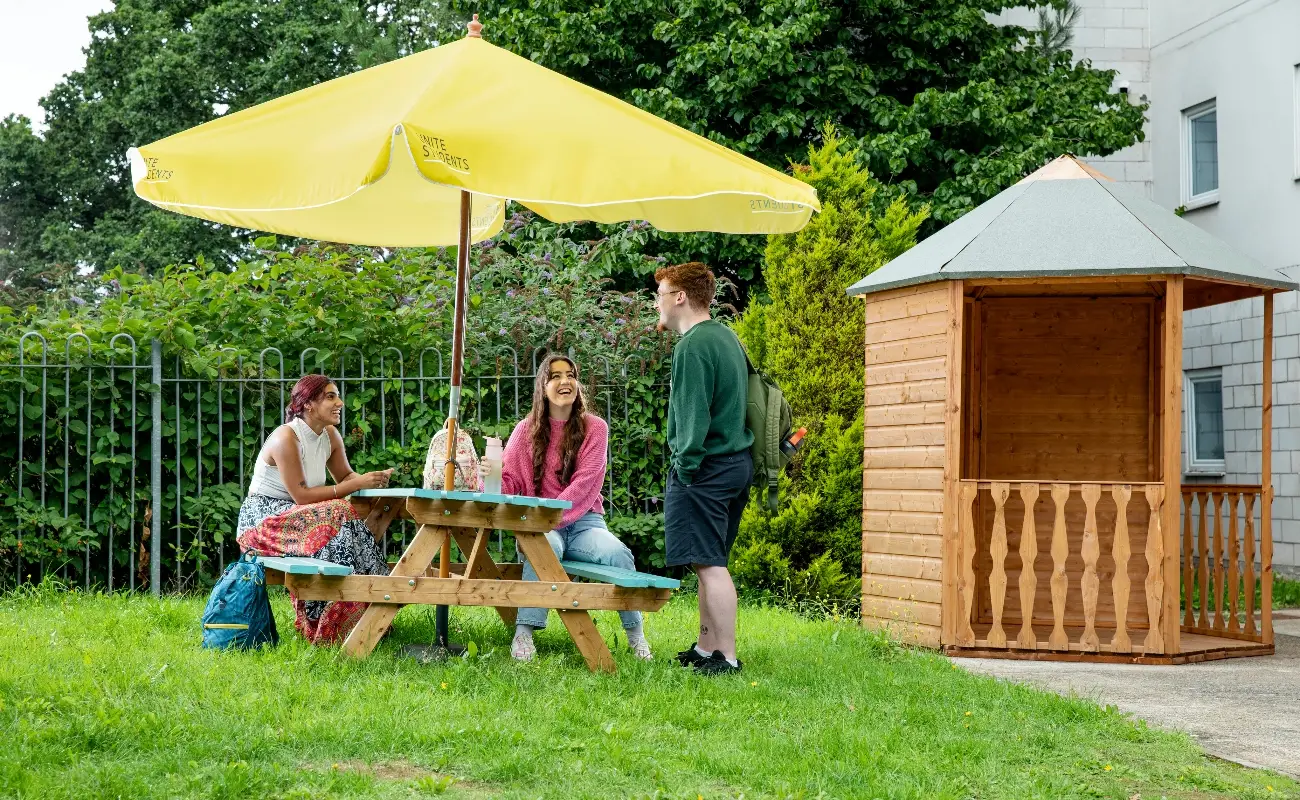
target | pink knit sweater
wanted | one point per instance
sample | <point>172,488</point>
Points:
<point>583,490</point>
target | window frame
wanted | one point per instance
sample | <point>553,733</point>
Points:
<point>1191,464</point>
<point>1295,105</point>
<point>1190,115</point>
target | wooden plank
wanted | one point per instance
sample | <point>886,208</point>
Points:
<point>904,436</point>
<point>914,478</point>
<point>966,556</point>
<point>469,514</point>
<point>998,552</point>
<point>1204,499</point>
<point>1028,575</point>
<point>911,633</point>
<point>382,589</point>
<point>627,578</point>
<point>932,324</point>
<point>479,564</point>
<point>905,350</point>
<point>1266,481</point>
<point>903,566</point>
<point>1188,552</point>
<point>378,617</point>
<point>296,565</point>
<point>1250,564</point>
<point>579,623</point>
<point>1155,582</point>
<point>903,544</point>
<point>953,455</point>
<point>905,611</point>
<point>932,301</point>
<point>1220,500</point>
<point>893,500</point>
<point>1234,553</point>
<point>903,457</point>
<point>913,414</point>
<point>1089,583</point>
<point>908,372</point>
<point>905,589</point>
<point>900,523</point>
<point>927,391</point>
<point>1119,584</point>
<point>1171,439</point>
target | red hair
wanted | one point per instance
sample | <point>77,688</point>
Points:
<point>308,389</point>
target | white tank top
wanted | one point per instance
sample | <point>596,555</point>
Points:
<point>313,448</point>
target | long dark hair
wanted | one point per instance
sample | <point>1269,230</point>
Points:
<point>308,389</point>
<point>539,424</point>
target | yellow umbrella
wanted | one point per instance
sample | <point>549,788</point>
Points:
<point>397,155</point>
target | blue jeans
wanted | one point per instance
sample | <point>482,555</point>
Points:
<point>588,540</point>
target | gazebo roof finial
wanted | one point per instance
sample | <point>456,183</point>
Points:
<point>475,28</point>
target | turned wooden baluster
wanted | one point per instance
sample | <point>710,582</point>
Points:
<point>1028,580</point>
<point>1155,584</point>
<point>966,575</point>
<point>1090,583</point>
<point>1188,618</point>
<point>1250,564</point>
<point>1203,562</point>
<point>1220,623</point>
<point>1119,582</point>
<point>1234,553</point>
<point>998,550</point>
<point>1060,581</point>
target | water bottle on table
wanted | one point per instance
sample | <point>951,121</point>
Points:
<point>492,457</point>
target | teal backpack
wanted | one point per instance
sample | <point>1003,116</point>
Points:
<point>769,418</point>
<point>238,613</point>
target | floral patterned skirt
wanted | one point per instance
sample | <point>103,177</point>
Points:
<point>329,531</point>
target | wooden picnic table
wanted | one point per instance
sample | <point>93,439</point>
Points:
<point>470,518</point>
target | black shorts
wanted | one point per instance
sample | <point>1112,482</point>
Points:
<point>701,520</point>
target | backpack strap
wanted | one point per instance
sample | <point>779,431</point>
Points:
<point>772,447</point>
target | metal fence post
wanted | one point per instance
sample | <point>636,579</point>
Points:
<point>155,472</point>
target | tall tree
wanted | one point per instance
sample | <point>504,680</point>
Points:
<point>153,68</point>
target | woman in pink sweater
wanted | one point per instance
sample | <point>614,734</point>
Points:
<point>558,451</point>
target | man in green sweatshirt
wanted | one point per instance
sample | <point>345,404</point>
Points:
<point>711,468</point>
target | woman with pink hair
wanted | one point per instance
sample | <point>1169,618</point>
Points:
<point>290,511</point>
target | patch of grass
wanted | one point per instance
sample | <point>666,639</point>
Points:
<point>110,696</point>
<point>1286,593</point>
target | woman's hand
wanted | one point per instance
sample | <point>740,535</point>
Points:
<point>373,480</point>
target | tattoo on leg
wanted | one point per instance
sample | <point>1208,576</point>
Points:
<point>704,629</point>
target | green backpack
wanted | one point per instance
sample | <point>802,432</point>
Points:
<point>769,418</point>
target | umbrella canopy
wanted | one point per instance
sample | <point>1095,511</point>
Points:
<point>380,157</point>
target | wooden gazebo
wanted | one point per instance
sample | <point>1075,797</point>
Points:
<point>1030,356</point>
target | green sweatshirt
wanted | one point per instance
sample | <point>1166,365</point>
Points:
<point>706,403</point>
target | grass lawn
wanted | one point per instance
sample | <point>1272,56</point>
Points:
<point>110,696</point>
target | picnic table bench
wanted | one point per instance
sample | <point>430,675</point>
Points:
<point>469,518</point>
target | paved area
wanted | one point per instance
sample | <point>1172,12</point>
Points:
<point>1241,709</point>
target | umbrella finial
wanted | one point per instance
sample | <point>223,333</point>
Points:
<point>475,28</point>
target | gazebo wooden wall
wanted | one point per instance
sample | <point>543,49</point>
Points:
<point>1065,395</point>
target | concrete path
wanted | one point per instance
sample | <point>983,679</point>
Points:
<point>1241,709</point>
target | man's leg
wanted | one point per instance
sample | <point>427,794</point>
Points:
<point>717,610</point>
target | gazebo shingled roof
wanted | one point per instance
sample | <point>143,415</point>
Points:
<point>1068,220</point>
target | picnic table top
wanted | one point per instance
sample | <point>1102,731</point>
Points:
<point>477,497</point>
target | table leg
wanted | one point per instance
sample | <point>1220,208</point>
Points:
<point>379,616</point>
<point>580,624</point>
<point>478,564</point>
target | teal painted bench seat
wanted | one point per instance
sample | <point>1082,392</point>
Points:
<point>297,565</point>
<point>619,577</point>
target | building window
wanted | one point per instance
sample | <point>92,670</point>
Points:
<point>1203,398</point>
<point>1201,155</point>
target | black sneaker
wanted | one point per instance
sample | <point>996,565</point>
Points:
<point>717,664</point>
<point>690,656</point>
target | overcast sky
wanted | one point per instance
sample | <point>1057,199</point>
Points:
<point>40,42</point>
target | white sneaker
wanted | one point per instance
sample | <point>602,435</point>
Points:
<point>641,650</point>
<point>522,648</point>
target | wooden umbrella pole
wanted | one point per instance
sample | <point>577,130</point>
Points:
<point>453,415</point>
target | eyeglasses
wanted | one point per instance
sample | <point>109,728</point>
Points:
<point>666,294</point>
